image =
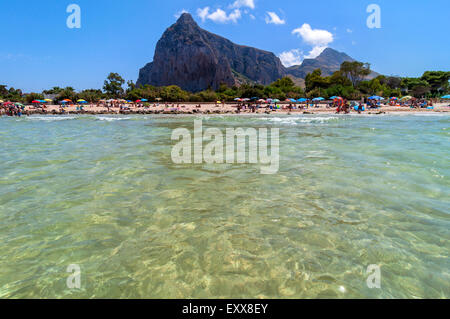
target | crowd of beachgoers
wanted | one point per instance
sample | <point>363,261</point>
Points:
<point>335,105</point>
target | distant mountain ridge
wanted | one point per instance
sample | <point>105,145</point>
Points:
<point>329,61</point>
<point>195,60</point>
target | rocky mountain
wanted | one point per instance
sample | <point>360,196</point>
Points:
<point>329,61</point>
<point>195,60</point>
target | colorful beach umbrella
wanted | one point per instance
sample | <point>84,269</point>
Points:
<point>35,101</point>
<point>302,100</point>
<point>144,100</point>
<point>335,97</point>
<point>318,99</point>
<point>446,97</point>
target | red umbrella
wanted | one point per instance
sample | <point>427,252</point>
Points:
<point>8,103</point>
<point>138,101</point>
<point>35,102</point>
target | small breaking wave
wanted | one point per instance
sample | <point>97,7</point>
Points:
<point>51,118</point>
<point>300,120</point>
<point>113,119</point>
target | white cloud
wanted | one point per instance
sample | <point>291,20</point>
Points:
<point>203,13</point>
<point>252,17</point>
<point>243,3</point>
<point>292,57</point>
<point>273,18</point>
<point>314,37</point>
<point>315,52</point>
<point>179,13</point>
<point>349,31</point>
<point>219,16</point>
<point>318,39</point>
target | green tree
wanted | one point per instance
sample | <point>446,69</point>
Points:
<point>315,80</point>
<point>355,71</point>
<point>91,95</point>
<point>438,81</point>
<point>33,96</point>
<point>113,85</point>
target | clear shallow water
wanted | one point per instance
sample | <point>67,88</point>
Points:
<point>102,192</point>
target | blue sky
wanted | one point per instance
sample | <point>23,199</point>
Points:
<point>39,51</point>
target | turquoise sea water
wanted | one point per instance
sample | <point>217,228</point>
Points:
<point>103,193</point>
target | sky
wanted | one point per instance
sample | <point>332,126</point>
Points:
<point>38,50</point>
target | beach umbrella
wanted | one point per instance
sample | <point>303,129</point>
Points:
<point>80,100</point>
<point>48,100</point>
<point>302,100</point>
<point>237,99</point>
<point>408,97</point>
<point>144,100</point>
<point>292,100</point>
<point>63,102</point>
<point>219,102</point>
<point>318,99</point>
<point>1,101</point>
<point>36,102</point>
<point>335,97</point>
<point>275,100</point>
<point>138,101</point>
<point>446,97</point>
<point>261,100</point>
<point>158,99</point>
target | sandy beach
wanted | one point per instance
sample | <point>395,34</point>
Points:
<point>210,108</point>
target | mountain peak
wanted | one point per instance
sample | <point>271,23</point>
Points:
<point>333,54</point>
<point>186,18</point>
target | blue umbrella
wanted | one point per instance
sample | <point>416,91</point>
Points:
<point>446,97</point>
<point>334,97</point>
<point>375,97</point>
<point>302,100</point>
<point>144,100</point>
<point>293,100</point>
<point>318,99</point>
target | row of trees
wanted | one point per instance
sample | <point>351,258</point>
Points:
<point>349,82</point>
